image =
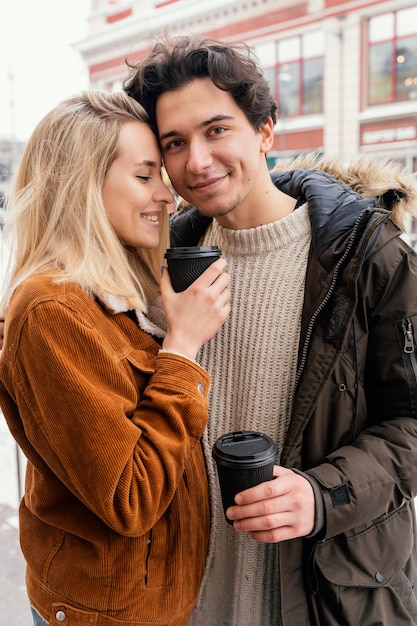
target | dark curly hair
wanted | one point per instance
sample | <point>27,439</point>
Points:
<point>232,67</point>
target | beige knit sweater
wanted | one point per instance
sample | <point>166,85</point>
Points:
<point>252,363</point>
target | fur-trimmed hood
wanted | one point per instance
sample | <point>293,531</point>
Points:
<point>337,193</point>
<point>370,178</point>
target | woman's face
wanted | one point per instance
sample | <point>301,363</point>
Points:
<point>133,192</point>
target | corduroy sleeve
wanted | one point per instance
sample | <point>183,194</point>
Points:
<point>116,432</point>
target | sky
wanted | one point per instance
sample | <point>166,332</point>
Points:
<point>38,67</point>
<point>35,50</point>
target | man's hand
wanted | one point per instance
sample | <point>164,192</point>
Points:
<point>276,510</point>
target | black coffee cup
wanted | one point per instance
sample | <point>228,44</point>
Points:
<point>244,459</point>
<point>187,264</point>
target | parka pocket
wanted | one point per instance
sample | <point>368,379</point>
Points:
<point>370,577</point>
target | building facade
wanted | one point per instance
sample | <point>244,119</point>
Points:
<point>344,73</point>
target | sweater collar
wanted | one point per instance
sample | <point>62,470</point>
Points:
<point>266,238</point>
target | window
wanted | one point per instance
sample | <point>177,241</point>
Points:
<point>294,68</point>
<point>392,57</point>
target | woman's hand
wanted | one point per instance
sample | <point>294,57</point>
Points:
<point>196,314</point>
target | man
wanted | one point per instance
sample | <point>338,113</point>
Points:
<point>318,352</point>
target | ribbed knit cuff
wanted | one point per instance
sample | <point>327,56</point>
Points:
<point>184,356</point>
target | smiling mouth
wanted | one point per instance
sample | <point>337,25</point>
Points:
<point>150,218</point>
<point>206,184</point>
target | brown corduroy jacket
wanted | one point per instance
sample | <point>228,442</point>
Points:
<point>114,522</point>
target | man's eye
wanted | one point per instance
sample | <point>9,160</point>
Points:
<point>175,143</point>
<point>217,130</point>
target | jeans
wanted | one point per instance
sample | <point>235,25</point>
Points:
<point>38,619</point>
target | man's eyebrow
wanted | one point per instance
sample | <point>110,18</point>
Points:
<point>216,118</point>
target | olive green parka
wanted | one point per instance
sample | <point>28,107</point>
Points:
<point>353,426</point>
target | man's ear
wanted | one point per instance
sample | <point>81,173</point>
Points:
<point>266,133</point>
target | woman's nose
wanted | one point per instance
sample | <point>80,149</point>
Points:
<point>165,194</point>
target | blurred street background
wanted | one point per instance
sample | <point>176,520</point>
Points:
<point>14,606</point>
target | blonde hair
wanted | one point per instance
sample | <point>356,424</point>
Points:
<point>55,218</point>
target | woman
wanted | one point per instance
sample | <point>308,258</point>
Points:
<point>114,521</point>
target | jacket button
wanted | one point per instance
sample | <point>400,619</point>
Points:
<point>342,387</point>
<point>200,388</point>
<point>379,577</point>
<point>60,616</point>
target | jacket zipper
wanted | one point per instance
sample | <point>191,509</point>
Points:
<point>312,573</point>
<point>409,346</point>
<point>322,305</point>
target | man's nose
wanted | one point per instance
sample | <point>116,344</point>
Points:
<point>199,157</point>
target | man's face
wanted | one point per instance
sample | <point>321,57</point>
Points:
<point>214,157</point>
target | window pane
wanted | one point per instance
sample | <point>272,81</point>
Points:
<point>289,49</point>
<point>266,53</point>
<point>406,69</point>
<point>313,86</point>
<point>381,28</point>
<point>407,21</point>
<point>288,89</point>
<point>269,74</point>
<point>379,88</point>
<point>313,44</point>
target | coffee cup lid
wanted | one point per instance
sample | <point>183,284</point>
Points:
<point>190,251</point>
<point>244,448</point>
